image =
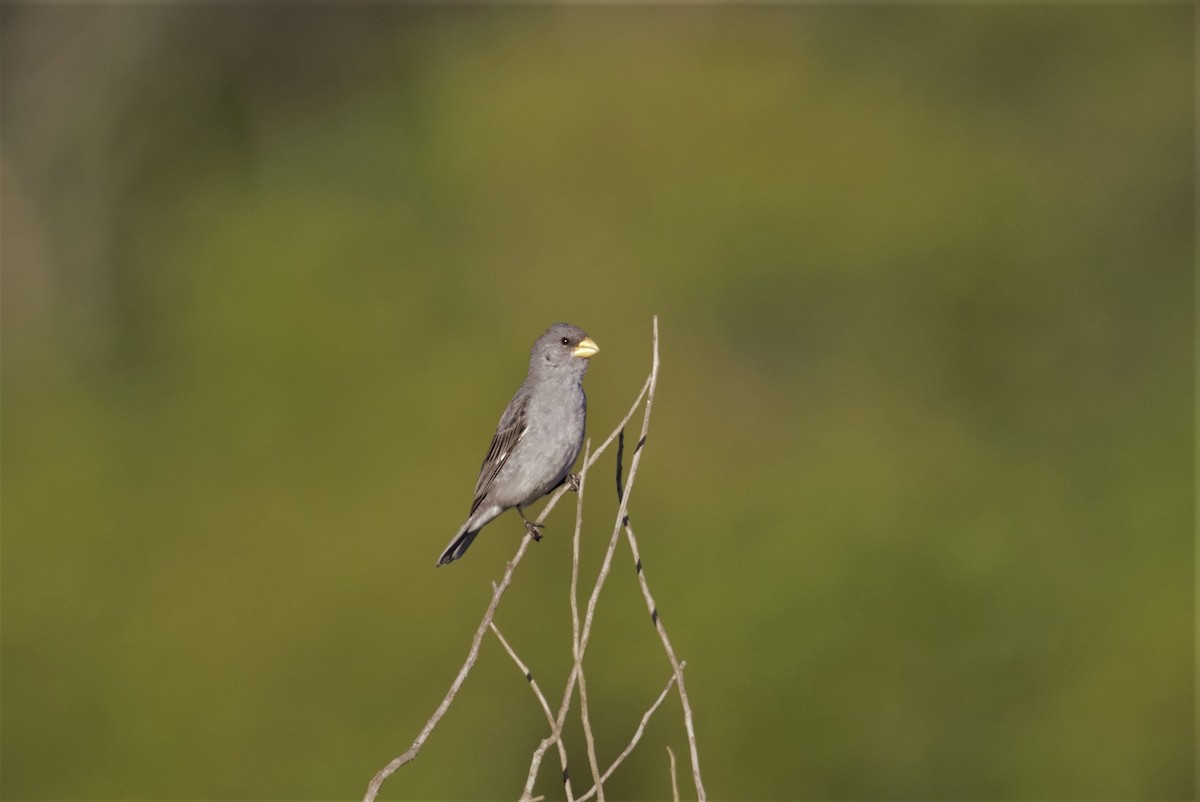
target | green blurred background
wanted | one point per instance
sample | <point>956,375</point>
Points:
<point>917,500</point>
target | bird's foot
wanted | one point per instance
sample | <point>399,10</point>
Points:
<point>572,482</point>
<point>534,529</point>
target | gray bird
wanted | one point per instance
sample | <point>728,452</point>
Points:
<point>538,437</point>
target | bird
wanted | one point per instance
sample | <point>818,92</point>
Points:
<point>538,438</point>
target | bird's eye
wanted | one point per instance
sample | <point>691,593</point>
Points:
<point>566,340</point>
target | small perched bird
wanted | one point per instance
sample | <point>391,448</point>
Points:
<point>538,437</point>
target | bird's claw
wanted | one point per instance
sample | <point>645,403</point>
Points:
<point>534,529</point>
<point>572,482</point>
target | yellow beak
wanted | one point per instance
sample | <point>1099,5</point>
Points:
<point>586,349</point>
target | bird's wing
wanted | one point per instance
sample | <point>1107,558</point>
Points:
<point>509,432</point>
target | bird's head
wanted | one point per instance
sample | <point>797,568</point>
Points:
<point>562,348</point>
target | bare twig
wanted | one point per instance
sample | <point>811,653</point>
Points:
<point>524,670</point>
<point>588,738</point>
<point>674,779</point>
<point>575,557</point>
<point>675,664</point>
<point>637,736</point>
<point>584,714</point>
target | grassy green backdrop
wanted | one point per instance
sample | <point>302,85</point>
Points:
<point>917,503</point>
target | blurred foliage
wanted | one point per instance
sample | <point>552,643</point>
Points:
<point>917,503</point>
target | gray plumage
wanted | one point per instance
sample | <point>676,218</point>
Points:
<point>538,438</point>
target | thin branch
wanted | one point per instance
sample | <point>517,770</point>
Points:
<point>584,713</point>
<point>688,724</point>
<point>575,557</point>
<point>524,670</point>
<point>588,738</point>
<point>637,736</point>
<point>674,779</point>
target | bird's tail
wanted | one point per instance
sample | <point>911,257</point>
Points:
<point>458,546</point>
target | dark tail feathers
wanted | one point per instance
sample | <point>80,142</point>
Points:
<point>458,546</point>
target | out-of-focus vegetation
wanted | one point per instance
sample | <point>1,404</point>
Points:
<point>917,502</point>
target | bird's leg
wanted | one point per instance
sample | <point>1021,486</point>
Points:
<point>532,527</point>
<point>572,482</point>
